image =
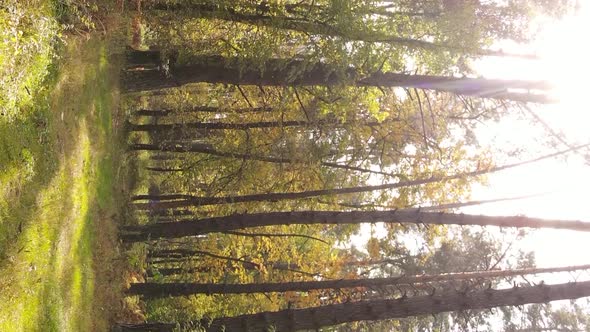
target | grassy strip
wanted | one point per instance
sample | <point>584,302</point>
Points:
<point>58,276</point>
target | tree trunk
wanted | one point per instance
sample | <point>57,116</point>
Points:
<point>182,147</point>
<point>143,59</point>
<point>203,109</point>
<point>240,221</point>
<point>182,254</point>
<point>315,27</point>
<point>236,126</point>
<point>145,327</point>
<point>154,113</point>
<point>177,270</point>
<point>189,200</point>
<point>157,290</point>
<point>172,147</point>
<point>164,169</point>
<point>278,72</point>
<point>317,317</point>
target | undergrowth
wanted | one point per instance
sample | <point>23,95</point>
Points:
<point>31,35</point>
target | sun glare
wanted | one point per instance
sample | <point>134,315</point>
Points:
<point>563,46</point>
<point>564,60</point>
<point>565,56</point>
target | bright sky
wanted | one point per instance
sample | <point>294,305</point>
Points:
<point>565,61</point>
<point>565,182</point>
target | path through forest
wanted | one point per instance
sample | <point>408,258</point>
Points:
<point>60,267</point>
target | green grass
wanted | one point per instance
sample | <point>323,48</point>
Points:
<point>59,264</point>
<point>28,34</point>
<point>57,231</point>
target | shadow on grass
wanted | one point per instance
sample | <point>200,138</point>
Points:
<point>57,231</point>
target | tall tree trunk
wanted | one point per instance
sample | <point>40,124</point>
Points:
<point>154,113</point>
<point>189,200</point>
<point>317,317</point>
<point>164,169</point>
<point>172,147</point>
<point>314,27</point>
<point>182,254</point>
<point>157,290</point>
<point>240,221</point>
<point>237,126</point>
<point>182,147</point>
<point>278,72</point>
<point>143,59</point>
<point>145,327</point>
<point>202,109</point>
<point>177,270</point>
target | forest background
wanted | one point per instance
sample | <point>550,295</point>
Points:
<point>313,156</point>
<point>380,108</point>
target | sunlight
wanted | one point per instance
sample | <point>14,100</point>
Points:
<point>564,57</point>
<point>564,61</point>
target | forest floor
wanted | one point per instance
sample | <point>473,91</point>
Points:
<point>61,195</point>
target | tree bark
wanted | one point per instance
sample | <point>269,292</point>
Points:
<point>240,221</point>
<point>318,317</point>
<point>279,72</point>
<point>158,290</point>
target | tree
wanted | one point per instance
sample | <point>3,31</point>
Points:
<point>274,122</point>
<point>317,317</point>
<point>370,23</point>
<point>201,109</point>
<point>181,200</point>
<point>289,72</point>
<point>235,126</point>
<point>153,290</point>
<point>234,222</point>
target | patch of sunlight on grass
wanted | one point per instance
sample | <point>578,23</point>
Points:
<point>24,165</point>
<point>61,304</point>
<point>21,310</point>
<point>78,250</point>
<point>49,278</point>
